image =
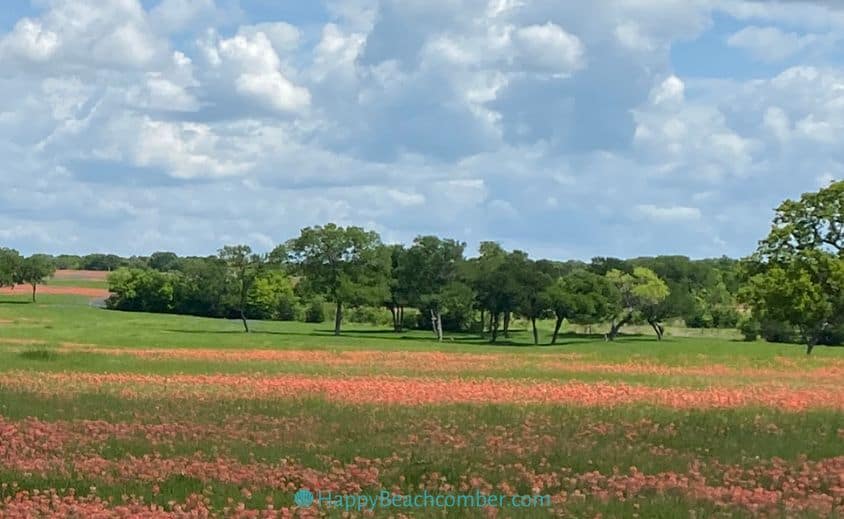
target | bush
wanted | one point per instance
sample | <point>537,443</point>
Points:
<point>724,316</point>
<point>376,316</point>
<point>749,327</point>
<point>287,308</point>
<point>315,311</point>
<point>773,331</point>
<point>833,337</point>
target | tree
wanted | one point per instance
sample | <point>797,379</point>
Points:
<point>531,281</point>
<point>430,267</point>
<point>271,297</point>
<point>243,268</point>
<point>141,290</point>
<point>815,222</point>
<point>35,270</point>
<point>347,265</point>
<point>201,287</point>
<point>164,261</point>
<point>639,293</point>
<point>807,293</point>
<point>10,267</point>
<point>797,273</point>
<point>579,296</point>
<point>401,277</point>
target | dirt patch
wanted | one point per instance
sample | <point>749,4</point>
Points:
<point>87,275</point>
<point>6,321</point>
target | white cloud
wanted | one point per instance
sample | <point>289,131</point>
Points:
<point>29,41</point>
<point>407,116</point>
<point>186,150</point>
<point>256,71</point>
<point>770,43</point>
<point>548,47</point>
<point>669,214</point>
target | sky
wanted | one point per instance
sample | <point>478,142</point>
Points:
<point>565,129</point>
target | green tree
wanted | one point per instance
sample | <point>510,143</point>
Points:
<point>164,261</point>
<point>815,222</point>
<point>401,278</point>
<point>272,297</point>
<point>795,276</point>
<point>347,265</point>
<point>580,296</point>
<point>531,281</point>
<point>640,293</point>
<point>201,287</point>
<point>35,270</point>
<point>10,267</point>
<point>806,293</point>
<point>243,268</point>
<point>141,290</point>
<point>431,265</point>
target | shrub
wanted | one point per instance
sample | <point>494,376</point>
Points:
<point>375,316</point>
<point>749,327</point>
<point>774,331</point>
<point>315,311</point>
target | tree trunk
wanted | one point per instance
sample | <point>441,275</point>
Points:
<point>401,318</point>
<point>658,328</point>
<point>483,324</point>
<point>434,324</point>
<point>493,326</point>
<point>394,313</point>
<point>616,327</point>
<point>557,325</point>
<point>439,326</point>
<point>507,325</point>
<point>492,317</point>
<point>535,335</point>
<point>33,292</point>
<point>243,318</point>
<point>809,347</point>
<point>338,318</point>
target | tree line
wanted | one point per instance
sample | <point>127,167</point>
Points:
<point>789,290</point>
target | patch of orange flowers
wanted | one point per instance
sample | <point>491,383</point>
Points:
<point>423,391</point>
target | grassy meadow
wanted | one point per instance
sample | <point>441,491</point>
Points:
<point>112,414</point>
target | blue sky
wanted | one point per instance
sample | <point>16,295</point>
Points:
<point>567,129</point>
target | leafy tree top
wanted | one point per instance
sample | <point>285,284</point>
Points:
<point>815,222</point>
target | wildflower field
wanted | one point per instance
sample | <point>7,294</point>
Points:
<point>110,414</point>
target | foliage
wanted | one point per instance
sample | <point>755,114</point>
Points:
<point>35,269</point>
<point>427,272</point>
<point>346,265</point>
<point>271,297</point>
<point>581,296</point>
<point>641,293</point>
<point>806,293</point>
<point>815,222</point>
<point>163,261</point>
<point>796,277</point>
<point>749,328</point>
<point>10,265</point>
<point>141,290</point>
<point>244,267</point>
<point>315,311</point>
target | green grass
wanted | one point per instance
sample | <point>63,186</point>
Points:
<point>79,283</point>
<point>494,442</point>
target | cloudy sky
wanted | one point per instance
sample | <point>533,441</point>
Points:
<point>567,129</point>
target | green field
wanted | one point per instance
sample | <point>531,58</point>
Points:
<point>192,413</point>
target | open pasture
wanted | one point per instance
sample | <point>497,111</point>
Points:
<point>113,414</point>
